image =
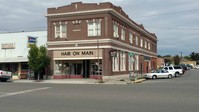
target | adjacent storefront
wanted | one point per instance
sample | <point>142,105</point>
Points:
<point>14,49</point>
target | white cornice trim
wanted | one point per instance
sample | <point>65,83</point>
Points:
<point>104,10</point>
<point>84,42</point>
<point>105,46</point>
<point>83,58</point>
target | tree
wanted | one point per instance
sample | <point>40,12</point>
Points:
<point>38,59</point>
<point>176,60</point>
<point>194,56</point>
<point>187,57</point>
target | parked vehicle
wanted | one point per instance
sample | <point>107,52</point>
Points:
<point>197,66</point>
<point>184,66</point>
<point>160,73</point>
<point>5,75</point>
<point>176,71</point>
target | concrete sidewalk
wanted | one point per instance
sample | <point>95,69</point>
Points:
<point>75,81</point>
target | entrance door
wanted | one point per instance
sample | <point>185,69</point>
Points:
<point>86,68</point>
<point>77,68</point>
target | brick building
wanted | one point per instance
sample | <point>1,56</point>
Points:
<point>90,40</point>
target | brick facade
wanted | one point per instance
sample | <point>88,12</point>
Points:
<point>77,17</point>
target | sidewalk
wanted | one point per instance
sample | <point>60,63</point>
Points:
<point>75,81</point>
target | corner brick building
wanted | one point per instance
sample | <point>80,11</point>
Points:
<point>90,40</point>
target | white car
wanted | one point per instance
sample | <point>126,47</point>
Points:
<point>161,73</point>
<point>5,75</point>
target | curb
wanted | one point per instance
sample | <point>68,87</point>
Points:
<point>139,80</point>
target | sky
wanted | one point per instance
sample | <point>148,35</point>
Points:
<point>175,22</point>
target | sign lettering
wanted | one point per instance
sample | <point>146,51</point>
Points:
<point>8,46</point>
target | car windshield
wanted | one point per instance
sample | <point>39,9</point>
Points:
<point>156,71</point>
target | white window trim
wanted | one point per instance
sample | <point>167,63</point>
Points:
<point>94,25</point>
<point>141,42</point>
<point>131,64</point>
<point>149,46</point>
<point>145,44</point>
<point>136,62</point>
<point>115,29</point>
<point>60,35</point>
<point>136,40</point>
<point>123,33</point>
<point>122,61</point>
<point>115,63</point>
<point>131,38</point>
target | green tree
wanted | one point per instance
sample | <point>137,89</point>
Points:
<point>194,56</point>
<point>176,60</point>
<point>187,57</point>
<point>38,59</point>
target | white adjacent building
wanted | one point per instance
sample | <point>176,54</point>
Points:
<point>14,49</point>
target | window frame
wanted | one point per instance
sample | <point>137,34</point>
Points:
<point>115,29</point>
<point>59,32</point>
<point>115,63</point>
<point>94,27</point>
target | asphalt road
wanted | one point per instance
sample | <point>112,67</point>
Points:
<point>162,95</point>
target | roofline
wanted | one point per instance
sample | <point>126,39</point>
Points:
<point>23,31</point>
<point>112,11</point>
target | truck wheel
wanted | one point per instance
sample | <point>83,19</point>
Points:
<point>177,74</point>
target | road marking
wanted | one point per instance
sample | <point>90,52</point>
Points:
<point>22,92</point>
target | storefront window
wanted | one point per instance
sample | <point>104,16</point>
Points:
<point>131,62</point>
<point>12,67</point>
<point>95,66</point>
<point>136,62</point>
<point>115,62</point>
<point>122,61</point>
<point>68,68</point>
<point>58,67</point>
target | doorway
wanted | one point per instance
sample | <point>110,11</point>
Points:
<point>86,68</point>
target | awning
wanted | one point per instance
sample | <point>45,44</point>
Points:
<point>13,60</point>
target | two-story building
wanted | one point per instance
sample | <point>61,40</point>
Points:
<point>90,40</point>
<point>14,49</point>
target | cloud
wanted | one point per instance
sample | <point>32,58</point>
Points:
<point>156,15</point>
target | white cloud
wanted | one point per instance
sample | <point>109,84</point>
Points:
<point>21,15</point>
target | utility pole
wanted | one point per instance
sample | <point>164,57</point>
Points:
<point>181,56</point>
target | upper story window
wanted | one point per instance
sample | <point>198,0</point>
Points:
<point>94,27</point>
<point>115,29</point>
<point>123,33</point>
<point>131,38</point>
<point>141,42</point>
<point>61,30</point>
<point>149,46</point>
<point>136,40</point>
<point>145,44</point>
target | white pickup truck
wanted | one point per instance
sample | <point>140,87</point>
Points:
<point>176,71</point>
<point>5,75</point>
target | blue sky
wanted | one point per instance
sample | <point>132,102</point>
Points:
<point>175,22</point>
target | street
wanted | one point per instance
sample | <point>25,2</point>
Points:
<point>162,95</point>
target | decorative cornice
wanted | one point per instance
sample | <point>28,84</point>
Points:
<point>109,10</point>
